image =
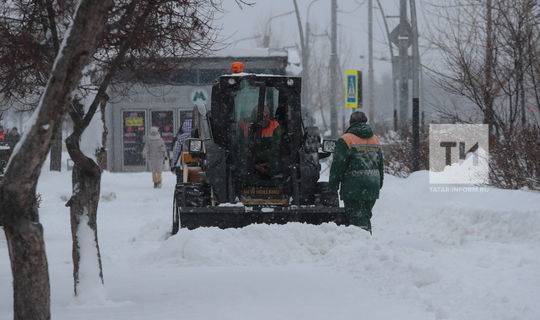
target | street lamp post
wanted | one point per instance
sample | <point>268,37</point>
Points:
<point>333,70</point>
<point>395,75</point>
<point>371,81</point>
<point>306,60</point>
<point>305,54</point>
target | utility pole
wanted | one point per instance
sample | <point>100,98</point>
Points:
<point>415,92</point>
<point>333,71</point>
<point>306,92</point>
<point>371,84</point>
<point>403,36</point>
<point>393,60</point>
<point>404,43</point>
<point>304,55</point>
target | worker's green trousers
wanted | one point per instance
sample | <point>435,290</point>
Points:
<point>359,213</point>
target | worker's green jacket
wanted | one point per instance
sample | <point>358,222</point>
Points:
<point>358,164</point>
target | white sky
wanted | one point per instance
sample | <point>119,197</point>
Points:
<point>239,23</point>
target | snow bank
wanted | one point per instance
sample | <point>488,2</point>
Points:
<point>456,255</point>
<point>456,217</point>
<point>255,245</point>
<point>461,224</point>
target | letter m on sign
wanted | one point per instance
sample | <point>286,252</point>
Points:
<point>199,95</point>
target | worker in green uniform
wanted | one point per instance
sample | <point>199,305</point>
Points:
<point>358,166</point>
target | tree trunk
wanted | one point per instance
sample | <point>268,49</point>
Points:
<point>101,154</point>
<point>86,181</point>
<point>83,212</point>
<point>18,202</point>
<point>56,151</point>
<point>488,70</point>
<point>28,265</point>
<point>56,145</point>
<point>86,175</point>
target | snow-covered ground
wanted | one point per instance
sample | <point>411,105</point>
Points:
<point>433,255</point>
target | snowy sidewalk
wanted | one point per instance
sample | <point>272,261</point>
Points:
<point>433,256</point>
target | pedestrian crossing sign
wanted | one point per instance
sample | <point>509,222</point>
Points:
<point>353,89</point>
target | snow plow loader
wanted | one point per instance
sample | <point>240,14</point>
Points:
<point>251,160</point>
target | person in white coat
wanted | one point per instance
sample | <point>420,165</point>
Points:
<point>154,153</point>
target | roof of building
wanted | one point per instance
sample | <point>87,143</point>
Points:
<point>248,52</point>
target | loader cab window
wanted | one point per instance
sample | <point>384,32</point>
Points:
<point>257,129</point>
<point>246,106</point>
<point>247,98</point>
<point>244,100</point>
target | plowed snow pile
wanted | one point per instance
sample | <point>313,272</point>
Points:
<point>433,255</point>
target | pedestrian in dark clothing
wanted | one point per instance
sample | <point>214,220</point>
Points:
<point>358,166</point>
<point>13,137</point>
<point>3,134</point>
<point>183,133</point>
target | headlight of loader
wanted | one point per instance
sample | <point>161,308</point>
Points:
<point>195,146</point>
<point>328,145</point>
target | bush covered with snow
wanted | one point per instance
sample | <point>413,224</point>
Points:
<point>397,153</point>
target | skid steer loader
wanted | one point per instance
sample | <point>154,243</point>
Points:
<point>251,160</point>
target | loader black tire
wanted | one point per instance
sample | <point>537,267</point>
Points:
<point>176,215</point>
<point>176,218</point>
<point>189,194</point>
<point>326,197</point>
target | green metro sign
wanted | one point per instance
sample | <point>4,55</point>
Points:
<point>199,96</point>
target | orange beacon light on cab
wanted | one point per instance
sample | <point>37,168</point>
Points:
<point>237,67</point>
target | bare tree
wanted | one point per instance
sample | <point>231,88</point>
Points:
<point>490,54</point>
<point>18,202</point>
<point>148,38</point>
<point>517,37</point>
<point>318,99</point>
<point>265,36</point>
<point>26,59</point>
<point>490,51</point>
<point>141,38</point>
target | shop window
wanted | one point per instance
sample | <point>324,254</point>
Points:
<point>164,120</point>
<point>134,132</point>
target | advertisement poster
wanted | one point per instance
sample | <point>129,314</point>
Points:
<point>133,137</point>
<point>164,120</point>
